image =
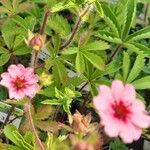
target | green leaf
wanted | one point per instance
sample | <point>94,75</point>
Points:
<point>79,63</point>
<point>126,65</point>
<point>94,59</point>
<point>112,67</point>
<point>60,25</point>
<point>70,51</point>
<point>132,48</point>
<point>131,9</point>
<point>61,71</point>
<point>143,83</point>
<point>143,48</point>
<point>8,131</point>
<point>138,35</point>
<point>4,58</point>
<point>118,145</point>
<point>111,19</point>
<point>61,6</point>
<point>3,50</point>
<point>99,8</point>
<point>22,50</point>
<point>108,36</point>
<point>95,46</point>
<point>137,67</point>
<point>52,102</point>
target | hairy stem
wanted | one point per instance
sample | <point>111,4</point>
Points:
<point>114,53</point>
<point>75,29</point>
<point>85,101</point>
<point>34,59</point>
<point>34,56</point>
<point>47,13</point>
<point>83,86</point>
<point>28,111</point>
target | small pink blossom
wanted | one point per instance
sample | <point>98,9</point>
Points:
<point>121,113</point>
<point>20,81</point>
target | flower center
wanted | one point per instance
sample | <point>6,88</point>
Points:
<point>121,111</point>
<point>19,83</point>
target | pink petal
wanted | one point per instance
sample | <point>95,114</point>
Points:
<point>16,94</point>
<point>15,71</point>
<point>125,132</point>
<point>129,132</point>
<point>31,90</point>
<point>129,93</point>
<point>100,103</point>
<point>142,120</point>
<point>111,125</point>
<point>106,93</point>
<point>117,89</point>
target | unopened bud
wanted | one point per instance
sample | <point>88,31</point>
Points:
<point>46,79</point>
<point>36,42</point>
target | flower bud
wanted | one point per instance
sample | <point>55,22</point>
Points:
<point>46,79</point>
<point>35,41</point>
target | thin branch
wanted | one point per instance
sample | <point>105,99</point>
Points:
<point>28,111</point>
<point>145,19</point>
<point>75,29</point>
<point>47,13</point>
<point>83,86</point>
<point>114,53</point>
<point>34,56</point>
<point>84,102</point>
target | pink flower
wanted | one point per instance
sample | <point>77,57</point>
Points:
<point>20,81</point>
<point>120,112</point>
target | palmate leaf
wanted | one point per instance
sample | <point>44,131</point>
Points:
<point>60,71</point>
<point>22,50</point>
<point>131,9</point>
<point>80,63</point>
<point>99,8</point>
<point>137,67</point>
<point>61,6</point>
<point>111,19</point>
<point>60,25</point>
<point>132,48</point>
<point>12,7</point>
<point>138,35</point>
<point>121,12</point>
<point>143,48</point>
<point>4,58</point>
<point>126,65</point>
<point>108,36</point>
<point>143,83</point>
<point>95,46</point>
<point>94,59</point>
<point>28,23</point>
<point>12,133</point>
<point>70,50</point>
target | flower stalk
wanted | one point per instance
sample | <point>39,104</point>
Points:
<point>39,40</point>
<point>28,111</point>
